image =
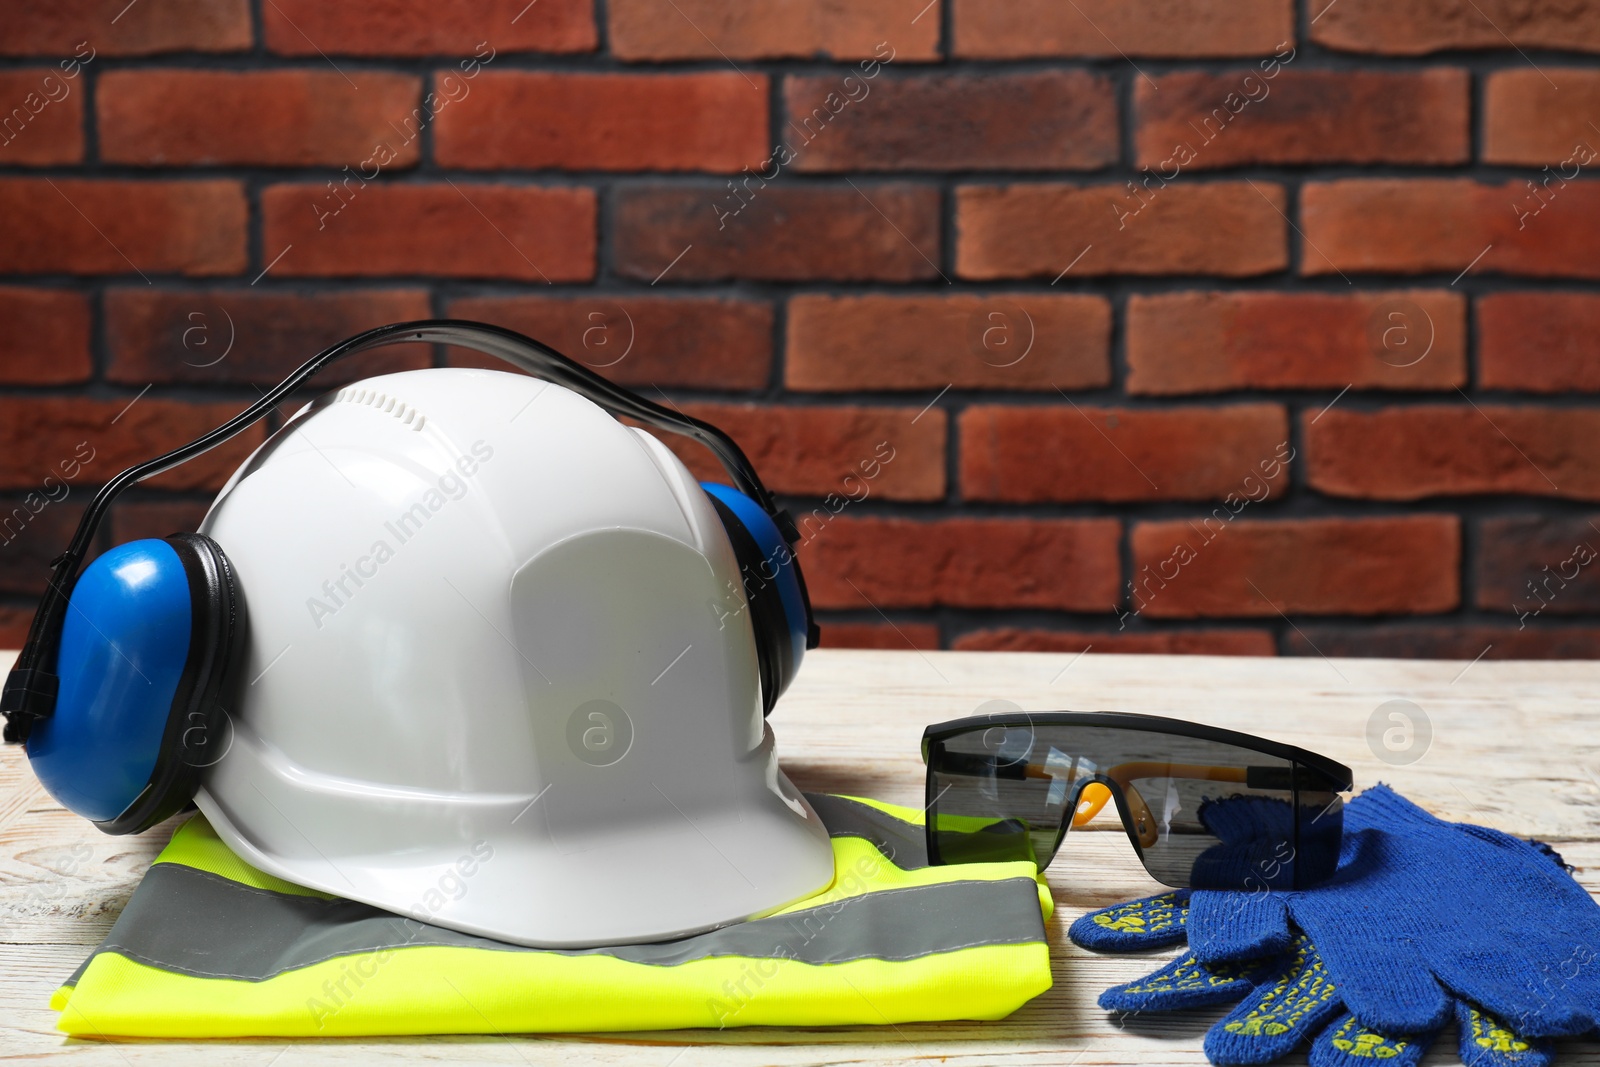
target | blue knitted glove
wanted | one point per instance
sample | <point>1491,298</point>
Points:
<point>1422,913</point>
<point>1284,1000</point>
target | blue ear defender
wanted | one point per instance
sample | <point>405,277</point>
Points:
<point>773,586</point>
<point>152,631</point>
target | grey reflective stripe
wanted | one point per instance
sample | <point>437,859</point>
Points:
<point>193,922</point>
<point>901,841</point>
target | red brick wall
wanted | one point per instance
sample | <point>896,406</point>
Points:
<point>1260,326</point>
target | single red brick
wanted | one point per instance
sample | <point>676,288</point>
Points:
<point>1527,120</point>
<point>272,118</point>
<point>44,336</point>
<point>42,120</point>
<point>1160,642</point>
<point>696,343</point>
<point>484,29</point>
<point>1211,342</point>
<point>1538,342</point>
<point>883,30</point>
<point>132,520</point>
<point>1409,453</point>
<point>852,453</point>
<point>457,230</point>
<point>1446,641</point>
<point>921,636</point>
<point>252,336</point>
<point>1387,566</point>
<point>1531,565</point>
<point>1416,27</point>
<point>1199,120</point>
<point>77,440</point>
<point>1048,120</point>
<point>1113,28</point>
<point>864,563</point>
<point>87,29</point>
<point>1420,225</point>
<point>1031,454</point>
<point>710,232</point>
<point>964,341</point>
<point>712,121</point>
<point>1233,229</point>
<point>35,527</point>
<point>73,226</point>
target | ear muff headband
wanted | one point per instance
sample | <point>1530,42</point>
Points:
<point>32,687</point>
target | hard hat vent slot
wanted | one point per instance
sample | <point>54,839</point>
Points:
<point>381,402</point>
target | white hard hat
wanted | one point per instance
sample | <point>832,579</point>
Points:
<point>501,674</point>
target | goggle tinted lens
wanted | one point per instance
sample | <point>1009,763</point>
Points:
<point>1201,813</point>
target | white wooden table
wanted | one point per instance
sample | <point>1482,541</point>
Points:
<point>1514,745</point>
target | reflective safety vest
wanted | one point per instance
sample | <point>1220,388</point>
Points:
<point>209,946</point>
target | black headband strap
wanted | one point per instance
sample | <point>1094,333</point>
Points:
<point>30,690</point>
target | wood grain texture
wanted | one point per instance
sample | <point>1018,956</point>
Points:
<point>1513,747</point>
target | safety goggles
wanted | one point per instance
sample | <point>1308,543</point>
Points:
<point>1204,808</point>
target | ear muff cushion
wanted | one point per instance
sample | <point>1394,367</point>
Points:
<point>772,589</point>
<point>152,630</point>
<point>199,730</point>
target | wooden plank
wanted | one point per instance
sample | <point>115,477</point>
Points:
<point>1513,747</point>
<point>62,881</point>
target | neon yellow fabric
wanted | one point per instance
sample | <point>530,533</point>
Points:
<point>914,816</point>
<point>460,990</point>
<point>423,989</point>
<point>195,844</point>
<point>860,869</point>
<point>917,817</point>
